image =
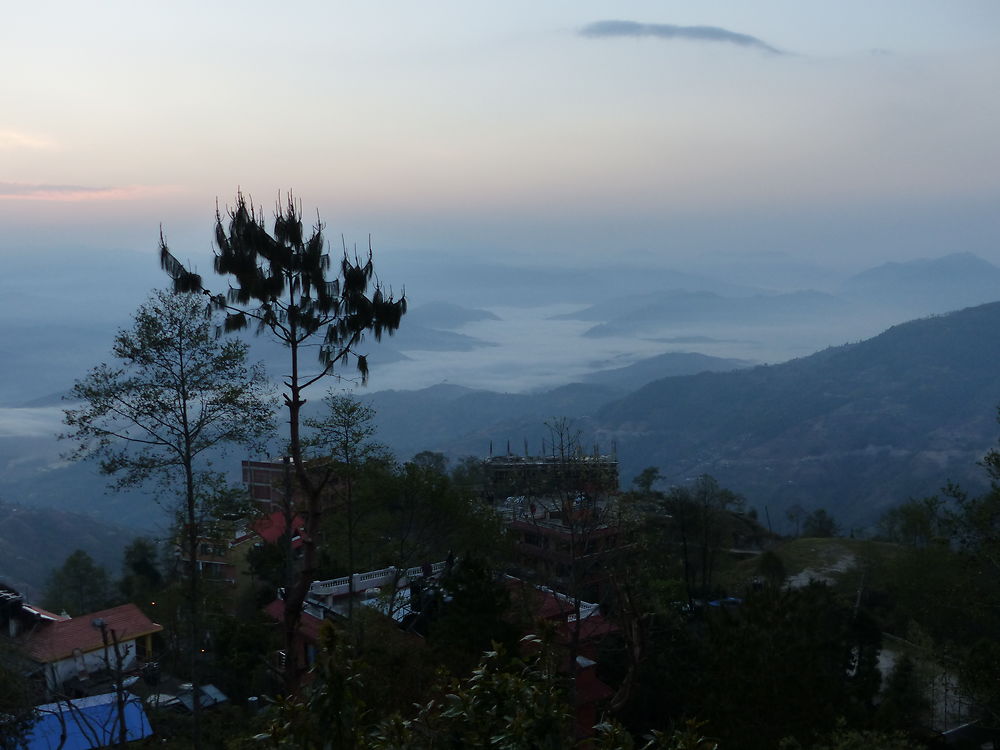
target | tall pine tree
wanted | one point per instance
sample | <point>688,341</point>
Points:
<point>280,282</point>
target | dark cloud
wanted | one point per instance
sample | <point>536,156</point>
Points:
<point>604,29</point>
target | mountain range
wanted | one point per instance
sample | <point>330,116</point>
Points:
<point>853,428</point>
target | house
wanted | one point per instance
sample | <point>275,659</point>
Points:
<point>328,600</point>
<point>66,651</point>
<point>17,616</point>
<point>216,561</point>
<point>224,544</point>
<point>307,640</point>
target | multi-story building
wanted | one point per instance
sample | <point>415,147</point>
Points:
<point>549,476</point>
<point>268,482</point>
<point>562,514</point>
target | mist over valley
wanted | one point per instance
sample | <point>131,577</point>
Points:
<point>764,389</point>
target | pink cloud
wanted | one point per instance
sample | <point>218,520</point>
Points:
<point>11,139</point>
<point>75,193</point>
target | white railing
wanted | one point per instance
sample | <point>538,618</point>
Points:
<point>372,579</point>
<point>418,572</point>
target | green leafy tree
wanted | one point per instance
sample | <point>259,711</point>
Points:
<point>175,397</point>
<point>845,738</point>
<point>645,480</point>
<point>795,515</point>
<point>819,523</point>
<point>468,474</point>
<point>475,616</point>
<point>904,703</point>
<point>612,736</point>
<point>771,568</point>
<point>916,523</point>
<point>240,647</point>
<point>78,586</point>
<point>279,283</point>
<point>341,443</point>
<point>432,460</point>
<point>17,698</point>
<point>507,703</point>
<point>428,515</point>
<point>141,576</point>
<point>700,512</point>
<point>786,662</point>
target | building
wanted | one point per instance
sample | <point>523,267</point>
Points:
<point>549,476</point>
<point>562,514</point>
<point>269,482</point>
<point>565,554</point>
<point>65,652</point>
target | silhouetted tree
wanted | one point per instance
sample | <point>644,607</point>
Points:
<point>17,698</point>
<point>175,395</point>
<point>141,578</point>
<point>645,480</point>
<point>699,511</point>
<point>78,586</point>
<point>781,664</point>
<point>432,460</point>
<point>279,283</point>
<point>505,703</point>
<point>819,523</point>
<point>795,514</point>
<point>771,568</point>
<point>341,444</point>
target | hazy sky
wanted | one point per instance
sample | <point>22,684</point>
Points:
<point>847,132</point>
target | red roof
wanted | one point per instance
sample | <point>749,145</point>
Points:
<point>270,528</point>
<point>57,640</point>
<point>594,627</point>
<point>590,688</point>
<point>308,625</point>
<point>545,604</point>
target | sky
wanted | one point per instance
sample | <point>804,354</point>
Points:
<point>743,140</point>
<point>663,133</point>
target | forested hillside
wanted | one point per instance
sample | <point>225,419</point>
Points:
<point>854,428</point>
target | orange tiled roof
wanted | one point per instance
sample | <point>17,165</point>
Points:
<point>54,641</point>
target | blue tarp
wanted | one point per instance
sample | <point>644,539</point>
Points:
<point>89,723</point>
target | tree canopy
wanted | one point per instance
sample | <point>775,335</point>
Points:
<point>280,283</point>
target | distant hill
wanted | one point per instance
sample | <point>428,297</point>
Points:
<point>929,286</point>
<point>33,541</point>
<point>685,308</point>
<point>446,315</point>
<point>854,428</point>
<point>461,421</point>
<point>665,365</point>
<point>424,338</point>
